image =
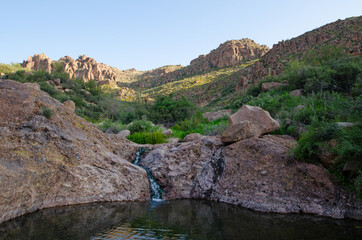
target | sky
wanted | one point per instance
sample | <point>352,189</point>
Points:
<point>146,34</point>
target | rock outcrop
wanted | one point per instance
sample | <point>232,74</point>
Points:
<point>38,62</point>
<point>61,160</point>
<point>256,173</point>
<point>230,53</point>
<point>83,67</point>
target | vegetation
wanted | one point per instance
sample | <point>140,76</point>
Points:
<point>9,68</point>
<point>331,85</point>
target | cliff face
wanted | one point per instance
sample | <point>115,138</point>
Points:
<point>346,33</point>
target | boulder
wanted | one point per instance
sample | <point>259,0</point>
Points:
<point>57,81</point>
<point>299,107</point>
<point>296,93</point>
<point>59,161</point>
<point>257,116</point>
<point>211,116</point>
<point>240,131</point>
<point>167,132</point>
<point>192,137</point>
<point>124,133</point>
<point>70,104</point>
<point>265,87</point>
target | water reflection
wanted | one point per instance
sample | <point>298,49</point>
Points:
<point>182,219</point>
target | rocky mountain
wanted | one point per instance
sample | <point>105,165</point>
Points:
<point>214,77</point>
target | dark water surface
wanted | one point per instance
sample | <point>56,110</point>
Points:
<point>179,219</point>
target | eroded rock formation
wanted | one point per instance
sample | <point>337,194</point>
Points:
<point>230,53</point>
<point>61,160</point>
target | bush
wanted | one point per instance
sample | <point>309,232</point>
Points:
<point>168,110</point>
<point>47,112</point>
<point>147,138</point>
<point>140,126</point>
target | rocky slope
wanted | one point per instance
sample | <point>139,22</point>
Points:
<point>230,53</point>
<point>345,33</point>
<point>61,160</point>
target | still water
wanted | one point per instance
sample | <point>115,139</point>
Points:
<point>178,219</point>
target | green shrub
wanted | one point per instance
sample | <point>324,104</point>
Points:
<point>168,110</point>
<point>140,126</point>
<point>147,138</point>
<point>47,112</point>
<point>108,124</point>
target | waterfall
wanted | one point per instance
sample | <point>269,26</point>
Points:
<point>155,189</point>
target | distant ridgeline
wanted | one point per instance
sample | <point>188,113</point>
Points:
<point>213,78</point>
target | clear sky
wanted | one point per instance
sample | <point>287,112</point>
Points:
<point>146,34</point>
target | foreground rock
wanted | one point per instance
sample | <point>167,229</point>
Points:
<point>58,161</point>
<point>248,122</point>
<point>256,173</point>
<point>240,131</point>
<point>256,115</point>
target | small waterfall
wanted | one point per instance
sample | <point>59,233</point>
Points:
<point>155,189</point>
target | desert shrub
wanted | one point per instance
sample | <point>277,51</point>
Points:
<point>47,112</point>
<point>140,126</point>
<point>168,110</point>
<point>108,124</point>
<point>308,145</point>
<point>147,138</point>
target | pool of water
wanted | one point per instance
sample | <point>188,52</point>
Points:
<point>178,219</point>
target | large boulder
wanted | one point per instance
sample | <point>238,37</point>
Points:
<point>240,131</point>
<point>58,161</point>
<point>257,173</point>
<point>211,116</point>
<point>249,121</point>
<point>256,115</point>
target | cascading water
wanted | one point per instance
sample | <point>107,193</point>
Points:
<point>155,189</point>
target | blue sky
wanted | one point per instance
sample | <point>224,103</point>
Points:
<point>149,34</point>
